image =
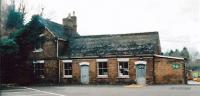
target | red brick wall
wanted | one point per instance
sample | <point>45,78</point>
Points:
<point>164,72</point>
<point>49,55</point>
<point>76,71</point>
<point>112,71</point>
<point>51,71</point>
<point>49,48</point>
<point>62,48</point>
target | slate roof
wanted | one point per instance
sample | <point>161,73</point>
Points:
<point>117,45</point>
<point>57,29</point>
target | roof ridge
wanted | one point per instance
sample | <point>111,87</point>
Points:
<point>52,22</point>
<point>48,20</point>
<point>125,34</point>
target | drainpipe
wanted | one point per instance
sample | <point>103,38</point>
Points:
<point>154,81</point>
<point>59,71</point>
<point>185,63</point>
<point>58,61</point>
<point>57,48</point>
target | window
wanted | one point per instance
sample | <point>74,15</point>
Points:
<point>38,45</point>
<point>102,69</point>
<point>68,69</point>
<point>123,69</point>
<point>39,68</point>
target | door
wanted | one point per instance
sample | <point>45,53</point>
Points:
<point>84,74</point>
<point>141,74</point>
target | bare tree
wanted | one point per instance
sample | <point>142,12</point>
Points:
<point>0,19</point>
<point>3,13</point>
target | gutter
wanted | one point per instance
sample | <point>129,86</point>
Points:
<point>169,57</point>
<point>110,56</point>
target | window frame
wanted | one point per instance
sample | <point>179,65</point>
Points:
<point>67,62</point>
<point>40,70</point>
<point>39,45</point>
<point>123,60</point>
<point>98,61</point>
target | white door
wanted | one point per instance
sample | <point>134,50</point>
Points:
<point>84,74</point>
<point>141,74</point>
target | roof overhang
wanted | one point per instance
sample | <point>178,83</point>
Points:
<point>110,56</point>
<point>169,57</point>
<point>54,34</point>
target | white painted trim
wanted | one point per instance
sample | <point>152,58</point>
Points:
<point>37,50</point>
<point>170,57</point>
<point>41,35</point>
<point>123,59</point>
<point>38,61</point>
<point>67,61</point>
<point>61,39</point>
<point>50,32</point>
<point>102,76</point>
<point>124,76</point>
<point>43,91</point>
<point>84,63</point>
<point>140,62</point>
<point>101,60</point>
<point>67,76</point>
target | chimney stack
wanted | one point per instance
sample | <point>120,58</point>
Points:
<point>69,23</point>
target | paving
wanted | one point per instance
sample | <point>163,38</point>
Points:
<point>104,90</point>
<point>193,82</point>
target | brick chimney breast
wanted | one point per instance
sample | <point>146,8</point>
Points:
<point>69,23</point>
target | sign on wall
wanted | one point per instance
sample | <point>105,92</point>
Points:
<point>176,66</point>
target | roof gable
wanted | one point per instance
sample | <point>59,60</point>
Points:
<point>57,29</point>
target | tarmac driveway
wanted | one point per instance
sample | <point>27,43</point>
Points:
<point>193,82</point>
<point>104,90</point>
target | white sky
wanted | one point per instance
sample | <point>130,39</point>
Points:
<point>177,21</point>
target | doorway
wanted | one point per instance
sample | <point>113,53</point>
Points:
<point>84,67</point>
<point>141,72</point>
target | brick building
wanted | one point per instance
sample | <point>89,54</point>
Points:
<point>68,58</point>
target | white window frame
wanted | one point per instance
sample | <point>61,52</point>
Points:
<point>40,49</point>
<point>123,60</point>
<point>36,62</point>
<point>99,61</point>
<point>64,62</point>
<point>37,50</point>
